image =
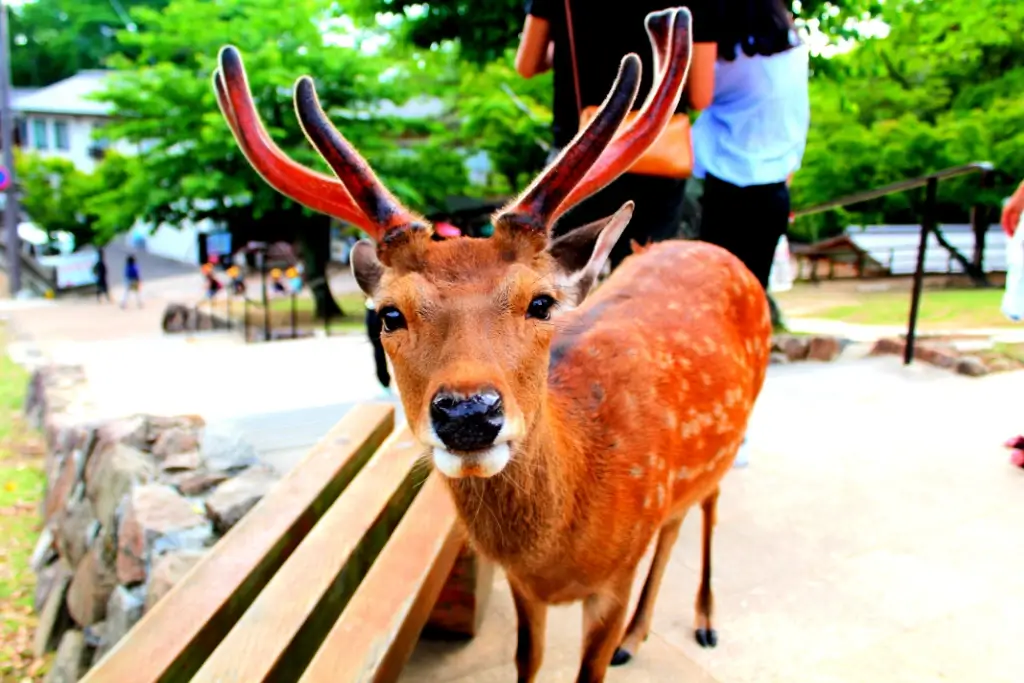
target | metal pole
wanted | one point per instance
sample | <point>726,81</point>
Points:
<point>927,225</point>
<point>11,210</point>
<point>294,333</point>
<point>266,307</point>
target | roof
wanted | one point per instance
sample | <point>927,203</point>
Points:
<point>894,247</point>
<point>68,96</point>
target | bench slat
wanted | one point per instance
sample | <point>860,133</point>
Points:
<point>378,630</point>
<point>171,641</point>
<point>280,632</point>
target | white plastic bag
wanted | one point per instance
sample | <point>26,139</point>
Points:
<point>1013,299</point>
<point>781,277</point>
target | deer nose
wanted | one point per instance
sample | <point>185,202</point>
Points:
<point>467,423</point>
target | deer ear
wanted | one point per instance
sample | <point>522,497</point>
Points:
<point>581,254</point>
<point>366,267</point>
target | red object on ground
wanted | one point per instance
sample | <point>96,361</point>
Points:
<point>447,230</point>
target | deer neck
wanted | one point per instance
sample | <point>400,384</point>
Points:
<point>520,515</point>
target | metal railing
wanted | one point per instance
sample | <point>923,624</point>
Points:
<point>979,221</point>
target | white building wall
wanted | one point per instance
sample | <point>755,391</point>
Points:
<point>43,132</point>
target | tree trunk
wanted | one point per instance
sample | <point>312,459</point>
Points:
<point>315,242</point>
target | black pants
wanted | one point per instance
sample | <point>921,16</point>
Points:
<point>747,221</point>
<point>373,330</point>
<point>657,215</point>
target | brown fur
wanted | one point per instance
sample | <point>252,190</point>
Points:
<point>633,406</point>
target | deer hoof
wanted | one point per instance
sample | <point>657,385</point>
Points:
<point>621,657</point>
<point>706,637</point>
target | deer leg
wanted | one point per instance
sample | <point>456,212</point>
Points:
<point>604,615</point>
<point>531,615</point>
<point>703,631</point>
<point>640,624</point>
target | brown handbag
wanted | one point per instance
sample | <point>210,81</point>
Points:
<point>671,155</point>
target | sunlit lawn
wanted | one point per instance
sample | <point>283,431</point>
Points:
<point>943,308</point>
<point>21,490</point>
<point>352,305</point>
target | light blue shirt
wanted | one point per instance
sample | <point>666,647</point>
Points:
<point>755,130</point>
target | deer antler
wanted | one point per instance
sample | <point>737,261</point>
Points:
<point>535,207</point>
<point>311,189</point>
<point>671,43</point>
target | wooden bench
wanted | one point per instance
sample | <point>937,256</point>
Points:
<point>330,578</point>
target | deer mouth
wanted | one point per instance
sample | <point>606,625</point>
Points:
<point>483,463</point>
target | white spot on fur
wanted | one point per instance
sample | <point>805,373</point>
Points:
<point>661,495</point>
<point>636,471</point>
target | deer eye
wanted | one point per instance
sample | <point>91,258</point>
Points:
<point>391,319</point>
<point>540,307</point>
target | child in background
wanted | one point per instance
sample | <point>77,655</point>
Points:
<point>132,282</point>
<point>373,330</point>
<point>275,282</point>
<point>212,283</point>
<point>294,279</point>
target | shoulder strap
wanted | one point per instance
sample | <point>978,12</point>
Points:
<point>572,55</point>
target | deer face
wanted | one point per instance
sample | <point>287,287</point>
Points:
<point>468,322</point>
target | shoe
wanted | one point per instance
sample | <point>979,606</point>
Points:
<point>742,456</point>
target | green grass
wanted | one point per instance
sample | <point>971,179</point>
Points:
<point>947,309</point>
<point>21,490</point>
<point>352,304</point>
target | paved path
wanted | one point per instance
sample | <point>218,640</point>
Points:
<point>875,536</point>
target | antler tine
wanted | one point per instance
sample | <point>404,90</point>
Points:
<point>633,141</point>
<point>379,205</point>
<point>311,189</point>
<point>535,208</point>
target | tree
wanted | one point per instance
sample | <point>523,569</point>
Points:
<point>55,39</point>
<point>192,169</point>
<point>942,89</point>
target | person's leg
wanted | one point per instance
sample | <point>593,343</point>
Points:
<point>747,221</point>
<point>373,330</point>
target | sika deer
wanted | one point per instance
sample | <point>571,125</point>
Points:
<point>570,432</point>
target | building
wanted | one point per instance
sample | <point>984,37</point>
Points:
<point>62,120</point>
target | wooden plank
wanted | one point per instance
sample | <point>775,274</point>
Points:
<point>280,632</point>
<point>378,630</point>
<point>179,633</point>
<point>460,607</point>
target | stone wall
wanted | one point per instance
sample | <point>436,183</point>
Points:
<point>789,348</point>
<point>131,505</point>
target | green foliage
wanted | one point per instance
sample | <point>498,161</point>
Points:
<point>943,89</point>
<point>54,39</point>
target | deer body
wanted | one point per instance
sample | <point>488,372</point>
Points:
<point>571,431</point>
<point>650,385</point>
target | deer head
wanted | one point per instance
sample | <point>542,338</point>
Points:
<point>468,322</point>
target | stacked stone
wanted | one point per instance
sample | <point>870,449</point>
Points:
<point>131,506</point>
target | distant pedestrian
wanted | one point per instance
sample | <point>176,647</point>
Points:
<point>380,359</point>
<point>99,270</point>
<point>132,282</point>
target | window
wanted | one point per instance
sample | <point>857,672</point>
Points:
<point>22,133</point>
<point>40,137</point>
<point>60,135</point>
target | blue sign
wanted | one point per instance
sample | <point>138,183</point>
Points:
<point>5,178</point>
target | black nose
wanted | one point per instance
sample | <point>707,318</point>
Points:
<point>467,423</point>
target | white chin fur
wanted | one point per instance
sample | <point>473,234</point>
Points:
<point>486,463</point>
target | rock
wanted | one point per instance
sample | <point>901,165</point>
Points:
<point>180,462</point>
<point>60,491</point>
<point>194,483</point>
<point>48,578</point>
<point>971,366</point>
<point>778,358</point>
<point>235,497</point>
<point>795,348</point>
<point>76,529</point>
<point>44,552</point>
<point>90,588</point>
<point>824,349</point>
<point>888,346</point>
<point>69,664</point>
<point>95,633</point>
<point>53,617</point>
<point>158,425</point>
<point>226,452</point>
<point>123,611</point>
<point>1000,365</point>
<point>157,519</point>
<point>938,357</point>
<point>130,431</point>
<point>174,441</point>
<point>112,472</point>
<point>169,570</point>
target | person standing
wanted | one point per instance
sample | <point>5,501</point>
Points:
<point>585,46</point>
<point>750,141</point>
<point>99,270</point>
<point>132,282</point>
